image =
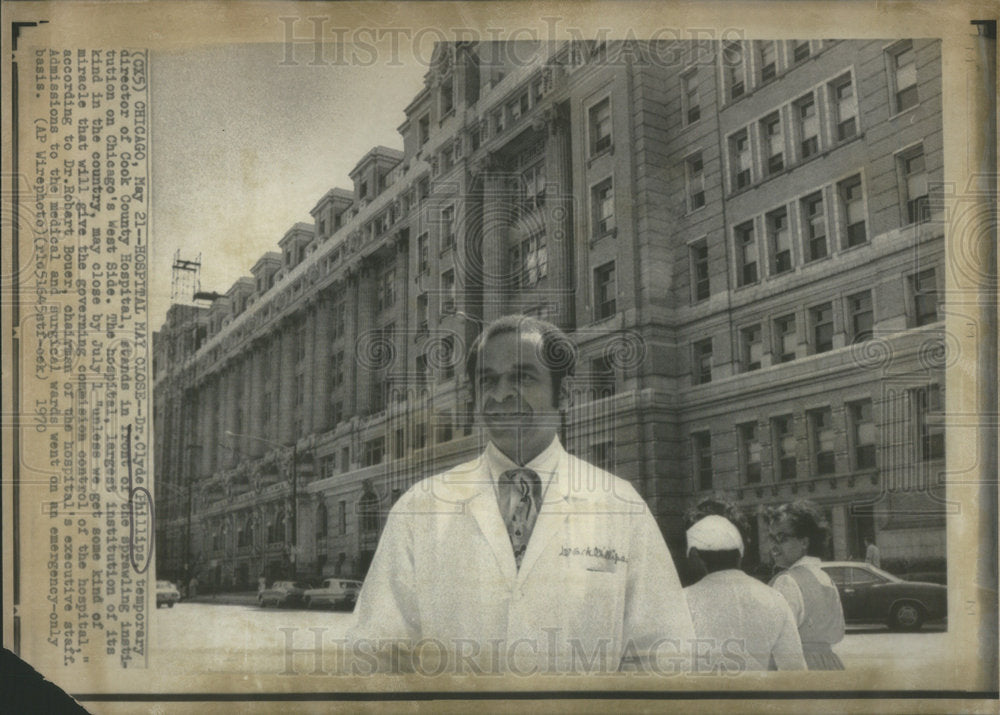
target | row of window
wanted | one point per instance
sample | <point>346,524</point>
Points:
<point>747,66</point>
<point>528,262</point>
<point>827,220</point>
<point>445,429</point>
<point>531,190</point>
<point>762,60</point>
<point>499,120</point>
<point>786,444</point>
<point>245,530</point>
<point>786,334</point>
<point>368,521</point>
<point>819,120</point>
<point>368,516</point>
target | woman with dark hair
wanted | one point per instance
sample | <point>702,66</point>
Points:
<point>799,534</point>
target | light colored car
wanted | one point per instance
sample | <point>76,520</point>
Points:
<point>167,593</point>
<point>334,593</point>
<point>283,593</point>
<point>870,594</point>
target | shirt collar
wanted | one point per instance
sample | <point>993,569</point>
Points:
<point>544,464</point>
<point>806,561</point>
<point>723,573</point>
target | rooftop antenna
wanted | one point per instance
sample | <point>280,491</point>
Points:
<point>186,281</point>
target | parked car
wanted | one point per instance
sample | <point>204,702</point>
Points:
<point>283,593</point>
<point>167,593</point>
<point>871,594</point>
<point>334,593</point>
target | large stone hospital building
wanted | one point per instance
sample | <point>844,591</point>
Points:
<point>742,238</point>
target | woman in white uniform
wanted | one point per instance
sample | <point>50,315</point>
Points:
<point>799,533</point>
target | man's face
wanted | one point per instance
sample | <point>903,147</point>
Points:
<point>514,398</point>
<point>786,548</point>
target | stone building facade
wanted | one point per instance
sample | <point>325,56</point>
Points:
<point>740,237</point>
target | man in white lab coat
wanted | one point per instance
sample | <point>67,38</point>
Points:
<point>525,560</point>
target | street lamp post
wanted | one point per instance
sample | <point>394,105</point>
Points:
<point>295,491</point>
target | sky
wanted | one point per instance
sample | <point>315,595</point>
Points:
<point>243,148</point>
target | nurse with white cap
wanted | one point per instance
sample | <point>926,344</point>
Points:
<point>740,624</point>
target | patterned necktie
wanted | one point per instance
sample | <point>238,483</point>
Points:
<point>520,493</point>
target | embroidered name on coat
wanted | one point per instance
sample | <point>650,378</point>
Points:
<point>596,551</point>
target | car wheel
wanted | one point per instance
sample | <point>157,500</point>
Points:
<point>170,604</point>
<point>906,616</point>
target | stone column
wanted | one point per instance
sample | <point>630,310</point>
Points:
<point>285,384</point>
<point>255,398</point>
<point>212,425</point>
<point>308,369</point>
<point>360,352</point>
<point>408,298</point>
<point>323,316</point>
<point>496,213</point>
<point>204,423</point>
<point>233,445</point>
<point>350,339</point>
<point>559,213</point>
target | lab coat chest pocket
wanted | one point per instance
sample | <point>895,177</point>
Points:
<point>592,564</point>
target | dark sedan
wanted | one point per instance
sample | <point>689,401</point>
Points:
<point>870,594</point>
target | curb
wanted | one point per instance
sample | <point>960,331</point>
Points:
<point>239,599</point>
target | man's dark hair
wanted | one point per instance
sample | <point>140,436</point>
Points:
<point>720,560</point>
<point>557,352</point>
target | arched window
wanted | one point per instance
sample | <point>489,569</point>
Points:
<point>276,530</point>
<point>245,531</point>
<point>368,514</point>
<point>321,520</point>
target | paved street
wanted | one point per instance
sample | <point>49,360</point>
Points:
<point>222,638</point>
<point>239,640</point>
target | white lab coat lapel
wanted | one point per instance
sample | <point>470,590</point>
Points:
<point>481,506</point>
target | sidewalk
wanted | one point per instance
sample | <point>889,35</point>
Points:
<point>238,598</point>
